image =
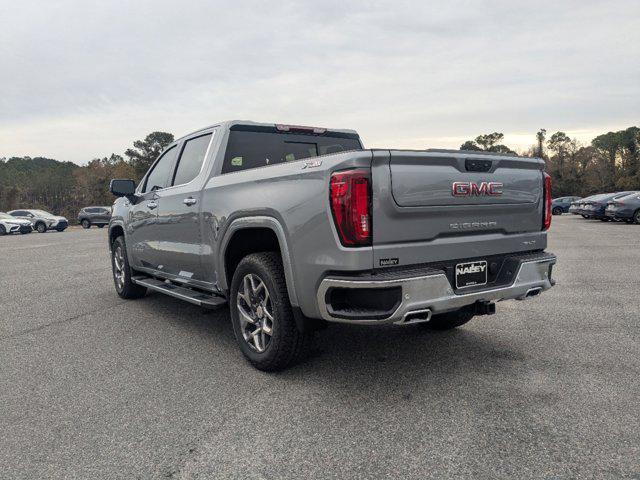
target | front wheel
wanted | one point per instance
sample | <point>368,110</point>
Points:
<point>450,320</point>
<point>636,217</point>
<point>86,223</point>
<point>261,314</point>
<point>101,225</point>
<point>122,272</point>
<point>557,211</point>
<point>3,231</point>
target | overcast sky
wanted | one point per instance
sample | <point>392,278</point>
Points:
<point>83,79</point>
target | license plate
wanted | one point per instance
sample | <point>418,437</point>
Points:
<point>471,274</point>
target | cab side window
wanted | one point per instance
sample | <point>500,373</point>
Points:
<point>191,159</point>
<point>159,175</point>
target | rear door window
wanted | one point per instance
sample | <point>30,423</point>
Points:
<point>254,149</point>
<point>160,172</point>
<point>191,158</point>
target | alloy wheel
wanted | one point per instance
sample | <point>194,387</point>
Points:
<point>255,312</point>
<point>118,267</point>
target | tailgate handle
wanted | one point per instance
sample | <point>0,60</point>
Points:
<point>477,165</point>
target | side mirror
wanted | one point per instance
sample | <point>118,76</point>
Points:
<point>122,188</point>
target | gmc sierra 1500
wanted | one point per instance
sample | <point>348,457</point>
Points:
<point>294,227</point>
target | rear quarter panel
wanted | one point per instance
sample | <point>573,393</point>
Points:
<point>297,197</point>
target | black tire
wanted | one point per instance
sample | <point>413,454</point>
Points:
<point>585,216</point>
<point>41,227</point>
<point>556,211</point>
<point>101,225</point>
<point>85,224</point>
<point>3,231</point>
<point>61,229</point>
<point>126,289</point>
<point>636,217</point>
<point>287,344</point>
<point>604,219</point>
<point>450,320</point>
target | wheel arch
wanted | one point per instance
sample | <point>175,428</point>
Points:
<point>115,231</point>
<point>250,235</point>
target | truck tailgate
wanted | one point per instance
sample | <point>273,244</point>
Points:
<point>435,205</point>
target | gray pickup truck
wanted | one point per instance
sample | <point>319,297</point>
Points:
<point>295,227</point>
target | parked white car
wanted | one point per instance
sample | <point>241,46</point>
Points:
<point>41,220</point>
<point>9,224</point>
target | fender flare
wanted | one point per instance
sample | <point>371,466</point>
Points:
<point>261,221</point>
<point>112,224</point>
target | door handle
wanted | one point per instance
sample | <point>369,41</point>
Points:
<point>189,201</point>
<point>151,205</point>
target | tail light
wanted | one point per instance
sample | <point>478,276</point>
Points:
<point>546,221</point>
<point>350,195</point>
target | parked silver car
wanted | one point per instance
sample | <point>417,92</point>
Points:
<point>9,224</point>
<point>41,220</point>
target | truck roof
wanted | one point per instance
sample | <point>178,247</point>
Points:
<point>230,123</point>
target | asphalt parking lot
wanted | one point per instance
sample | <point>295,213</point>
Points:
<point>93,386</point>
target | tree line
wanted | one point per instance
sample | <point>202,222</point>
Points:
<point>64,188</point>
<point>611,162</point>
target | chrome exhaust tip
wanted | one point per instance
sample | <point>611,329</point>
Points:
<point>532,292</point>
<point>415,316</point>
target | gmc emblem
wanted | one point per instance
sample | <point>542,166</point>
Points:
<point>467,189</point>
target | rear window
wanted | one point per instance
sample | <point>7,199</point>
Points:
<point>251,149</point>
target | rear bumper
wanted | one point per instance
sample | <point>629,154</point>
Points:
<point>420,295</point>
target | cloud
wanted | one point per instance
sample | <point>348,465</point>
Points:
<point>83,79</point>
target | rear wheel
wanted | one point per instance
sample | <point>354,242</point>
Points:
<point>636,217</point>
<point>122,272</point>
<point>450,320</point>
<point>86,223</point>
<point>101,225</point>
<point>557,211</point>
<point>3,231</point>
<point>585,216</point>
<point>41,227</point>
<point>261,314</point>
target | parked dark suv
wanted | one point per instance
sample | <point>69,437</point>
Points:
<point>98,216</point>
<point>561,205</point>
<point>625,208</point>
